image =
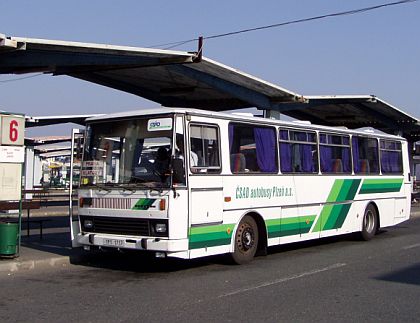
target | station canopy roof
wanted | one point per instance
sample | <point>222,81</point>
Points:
<point>355,111</point>
<point>186,79</point>
<point>31,121</point>
<point>171,78</point>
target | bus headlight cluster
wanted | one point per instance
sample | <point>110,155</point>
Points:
<point>88,224</point>
<point>160,227</point>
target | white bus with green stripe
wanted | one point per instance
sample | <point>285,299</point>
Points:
<point>189,183</point>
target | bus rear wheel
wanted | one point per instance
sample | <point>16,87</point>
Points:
<point>246,241</point>
<point>370,223</point>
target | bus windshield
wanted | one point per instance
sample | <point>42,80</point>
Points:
<point>135,151</point>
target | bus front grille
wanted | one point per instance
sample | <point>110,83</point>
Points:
<point>121,226</point>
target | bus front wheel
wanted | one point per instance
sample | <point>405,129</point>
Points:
<point>246,241</point>
<point>370,223</point>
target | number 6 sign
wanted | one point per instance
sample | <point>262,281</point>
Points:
<point>12,130</point>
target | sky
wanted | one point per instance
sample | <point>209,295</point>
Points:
<point>376,52</point>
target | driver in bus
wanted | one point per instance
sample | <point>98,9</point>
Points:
<point>180,151</point>
<point>162,163</point>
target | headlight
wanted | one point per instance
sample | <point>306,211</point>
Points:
<point>88,224</point>
<point>160,227</point>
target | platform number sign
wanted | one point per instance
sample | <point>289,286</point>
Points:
<point>12,130</point>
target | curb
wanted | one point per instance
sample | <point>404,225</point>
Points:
<point>15,266</point>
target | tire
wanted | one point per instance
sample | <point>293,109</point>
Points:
<point>246,241</point>
<point>370,223</point>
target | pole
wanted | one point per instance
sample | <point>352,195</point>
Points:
<point>199,56</point>
<point>20,213</point>
<point>73,230</point>
<point>73,135</point>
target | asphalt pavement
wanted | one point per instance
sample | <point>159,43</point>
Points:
<point>54,249</point>
<point>337,279</point>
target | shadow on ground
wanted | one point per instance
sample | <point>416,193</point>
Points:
<point>52,243</point>
<point>57,242</point>
<point>140,262</point>
<point>408,275</point>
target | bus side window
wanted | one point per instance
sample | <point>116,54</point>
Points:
<point>204,149</point>
<point>365,155</point>
<point>253,149</point>
<point>391,157</point>
<point>298,151</point>
<point>334,153</point>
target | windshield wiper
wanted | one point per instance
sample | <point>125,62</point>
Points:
<point>138,179</point>
<point>146,183</point>
<point>102,187</point>
<point>127,188</point>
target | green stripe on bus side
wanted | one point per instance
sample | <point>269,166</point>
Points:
<point>332,216</point>
<point>273,227</point>
<point>306,223</point>
<point>337,216</point>
<point>381,185</point>
<point>143,204</point>
<point>210,236</point>
<point>211,228</point>
<point>355,183</point>
<point>344,210</point>
<point>286,233</point>
<point>289,226</point>
<point>335,190</point>
<point>323,218</point>
<point>208,243</point>
<point>344,192</point>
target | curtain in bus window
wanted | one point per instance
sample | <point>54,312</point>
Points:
<point>307,160</point>
<point>346,160</point>
<point>285,153</point>
<point>356,155</point>
<point>325,158</point>
<point>373,155</point>
<point>231,131</point>
<point>391,162</point>
<point>286,157</point>
<point>305,163</point>
<point>265,143</point>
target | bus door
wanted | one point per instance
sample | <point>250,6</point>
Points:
<point>204,167</point>
<point>77,139</point>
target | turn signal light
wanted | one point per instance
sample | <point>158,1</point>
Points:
<point>162,204</point>
<point>85,201</point>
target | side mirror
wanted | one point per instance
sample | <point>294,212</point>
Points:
<point>178,171</point>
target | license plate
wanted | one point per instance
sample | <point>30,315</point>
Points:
<point>113,242</point>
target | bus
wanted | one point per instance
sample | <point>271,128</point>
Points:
<point>188,183</point>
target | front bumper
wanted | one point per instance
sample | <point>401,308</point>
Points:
<point>133,243</point>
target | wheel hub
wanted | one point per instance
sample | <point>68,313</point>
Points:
<point>369,223</point>
<point>247,239</point>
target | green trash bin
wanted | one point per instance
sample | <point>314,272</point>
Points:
<point>9,236</point>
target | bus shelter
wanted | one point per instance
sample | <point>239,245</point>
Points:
<point>188,79</point>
